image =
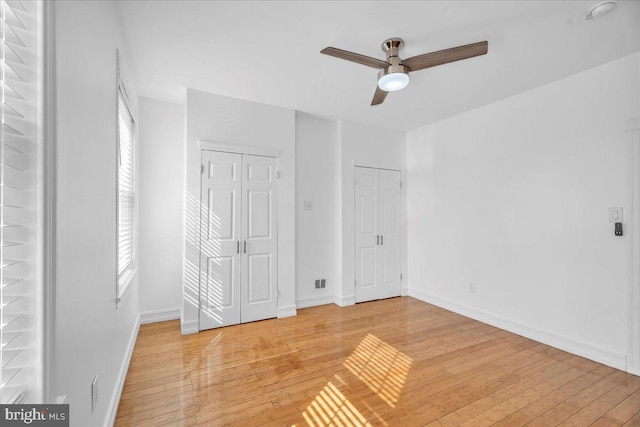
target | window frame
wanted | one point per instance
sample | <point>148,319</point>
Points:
<point>126,276</point>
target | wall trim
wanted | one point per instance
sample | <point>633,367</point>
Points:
<point>343,301</point>
<point>190,327</point>
<point>155,316</point>
<point>633,305</point>
<point>287,311</point>
<point>314,301</point>
<point>570,345</point>
<point>122,375</point>
<point>203,144</point>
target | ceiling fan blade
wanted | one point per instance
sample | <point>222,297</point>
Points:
<point>355,57</point>
<point>445,56</point>
<point>379,96</point>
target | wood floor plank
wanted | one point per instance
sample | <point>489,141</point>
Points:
<point>621,413</point>
<point>603,404</point>
<point>395,362</point>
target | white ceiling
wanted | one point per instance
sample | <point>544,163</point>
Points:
<point>268,52</point>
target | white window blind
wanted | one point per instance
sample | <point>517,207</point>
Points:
<point>18,155</point>
<point>126,189</point>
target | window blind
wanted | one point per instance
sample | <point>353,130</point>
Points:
<point>126,186</point>
<point>18,216</point>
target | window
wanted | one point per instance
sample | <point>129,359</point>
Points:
<point>126,189</point>
<point>20,206</point>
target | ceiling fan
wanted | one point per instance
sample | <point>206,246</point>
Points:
<point>394,72</point>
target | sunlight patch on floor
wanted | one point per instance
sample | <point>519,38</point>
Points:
<point>381,367</point>
<point>331,407</point>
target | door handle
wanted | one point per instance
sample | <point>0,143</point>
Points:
<point>245,246</point>
<point>238,247</point>
<point>378,240</point>
<point>381,240</point>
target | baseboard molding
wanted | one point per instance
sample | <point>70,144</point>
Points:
<point>122,375</point>
<point>287,311</point>
<point>314,301</point>
<point>344,301</point>
<point>190,327</point>
<point>159,315</point>
<point>606,357</point>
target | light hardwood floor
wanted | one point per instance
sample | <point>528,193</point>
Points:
<point>395,362</point>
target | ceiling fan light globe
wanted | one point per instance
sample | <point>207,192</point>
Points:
<point>393,81</point>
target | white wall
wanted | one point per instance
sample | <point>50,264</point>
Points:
<point>513,197</point>
<point>236,122</point>
<point>91,336</point>
<point>317,176</point>
<point>362,145</point>
<point>161,158</point>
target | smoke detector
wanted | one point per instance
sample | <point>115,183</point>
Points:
<point>601,9</point>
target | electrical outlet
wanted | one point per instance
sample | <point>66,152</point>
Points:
<point>633,123</point>
<point>94,393</point>
<point>321,283</point>
<point>308,205</point>
<point>472,288</point>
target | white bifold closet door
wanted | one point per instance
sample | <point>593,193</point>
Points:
<point>238,234</point>
<point>377,222</point>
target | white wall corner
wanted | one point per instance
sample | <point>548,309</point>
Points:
<point>405,291</point>
<point>159,315</point>
<point>600,355</point>
<point>122,375</point>
<point>314,301</point>
<point>189,327</point>
<point>344,301</point>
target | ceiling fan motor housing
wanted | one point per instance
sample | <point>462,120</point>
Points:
<point>392,48</point>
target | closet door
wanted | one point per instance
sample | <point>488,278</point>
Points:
<point>259,284</point>
<point>220,237</point>
<point>377,240</point>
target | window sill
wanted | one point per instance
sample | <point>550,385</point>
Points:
<point>123,284</point>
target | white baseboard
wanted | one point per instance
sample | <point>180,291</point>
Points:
<point>287,311</point>
<point>122,375</point>
<point>159,315</point>
<point>314,301</point>
<point>344,301</point>
<point>189,327</point>
<point>606,357</point>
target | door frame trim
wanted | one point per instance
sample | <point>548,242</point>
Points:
<point>208,145</point>
<point>373,166</point>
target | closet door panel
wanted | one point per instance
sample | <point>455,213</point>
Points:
<point>259,222</point>
<point>389,230</point>
<point>366,238</point>
<point>219,235</point>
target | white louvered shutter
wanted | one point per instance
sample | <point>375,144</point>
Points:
<point>18,378</point>
<point>126,186</point>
